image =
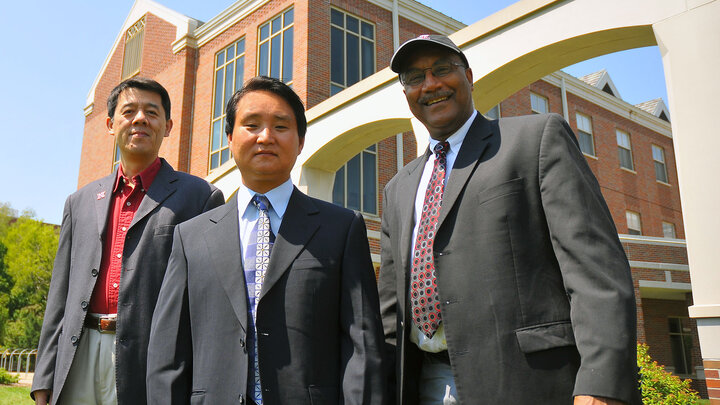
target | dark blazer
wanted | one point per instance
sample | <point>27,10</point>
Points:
<point>535,289</point>
<point>172,198</point>
<point>318,321</point>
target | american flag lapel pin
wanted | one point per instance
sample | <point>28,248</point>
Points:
<point>101,195</point>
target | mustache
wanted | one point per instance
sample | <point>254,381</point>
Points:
<point>433,96</point>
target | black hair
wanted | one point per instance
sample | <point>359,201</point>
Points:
<point>141,83</point>
<point>272,85</point>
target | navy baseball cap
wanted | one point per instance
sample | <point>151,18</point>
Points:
<point>405,49</point>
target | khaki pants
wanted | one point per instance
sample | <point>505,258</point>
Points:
<point>91,380</point>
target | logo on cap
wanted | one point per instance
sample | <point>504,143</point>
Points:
<point>424,36</point>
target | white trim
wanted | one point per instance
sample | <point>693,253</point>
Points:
<point>373,234</point>
<point>704,311</point>
<point>680,287</point>
<point>423,15</point>
<point>375,258</point>
<point>184,24</point>
<point>606,80</point>
<point>223,21</point>
<point>652,240</point>
<point>610,103</point>
<point>659,266</point>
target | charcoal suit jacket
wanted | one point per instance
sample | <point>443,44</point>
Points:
<point>536,295</point>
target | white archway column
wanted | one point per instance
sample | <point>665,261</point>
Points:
<point>691,56</point>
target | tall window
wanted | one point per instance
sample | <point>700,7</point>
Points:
<point>493,113</point>
<point>356,182</point>
<point>624,149</point>
<point>229,67</point>
<point>539,104</point>
<point>633,223</point>
<point>681,344</point>
<point>585,134</point>
<point>668,230</point>
<point>275,48</point>
<point>659,160</point>
<point>133,49</point>
<point>116,157</point>
<point>352,50</point>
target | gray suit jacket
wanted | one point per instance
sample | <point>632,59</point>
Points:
<point>172,198</point>
<point>535,289</point>
<point>318,321</point>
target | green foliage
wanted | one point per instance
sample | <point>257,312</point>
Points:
<point>660,387</point>
<point>7,378</point>
<point>27,252</point>
<point>15,395</point>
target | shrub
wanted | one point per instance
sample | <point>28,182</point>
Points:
<point>7,378</point>
<point>660,387</point>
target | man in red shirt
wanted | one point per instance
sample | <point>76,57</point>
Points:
<point>115,241</point>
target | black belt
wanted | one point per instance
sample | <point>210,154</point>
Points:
<point>440,357</point>
<point>102,324</point>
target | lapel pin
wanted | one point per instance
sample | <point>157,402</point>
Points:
<point>101,195</point>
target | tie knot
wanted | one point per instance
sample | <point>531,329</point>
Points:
<point>441,149</point>
<point>261,202</point>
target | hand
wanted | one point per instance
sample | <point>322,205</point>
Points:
<point>42,397</point>
<point>590,400</point>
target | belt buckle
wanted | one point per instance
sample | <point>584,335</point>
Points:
<point>104,322</point>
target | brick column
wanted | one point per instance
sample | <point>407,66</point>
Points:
<point>712,379</point>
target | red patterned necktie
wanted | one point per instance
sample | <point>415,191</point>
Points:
<point>423,287</point>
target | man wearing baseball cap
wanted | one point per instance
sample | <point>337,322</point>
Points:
<point>502,278</point>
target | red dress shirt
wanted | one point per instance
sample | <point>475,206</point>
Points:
<point>126,199</point>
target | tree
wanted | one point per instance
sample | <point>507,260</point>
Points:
<point>660,387</point>
<point>30,247</point>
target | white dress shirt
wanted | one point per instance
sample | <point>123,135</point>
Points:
<point>438,342</point>
<point>248,214</point>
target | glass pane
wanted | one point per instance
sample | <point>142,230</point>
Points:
<point>229,73</point>
<point>335,89</point>
<point>586,143</point>
<point>214,160</point>
<point>230,52</point>
<point>625,159</point>
<point>668,230</point>
<point>239,72</point>
<point>339,187</point>
<point>337,17</point>
<point>351,60</point>
<point>353,24</point>
<point>353,183</point>
<point>275,57</point>
<point>220,59</point>
<point>660,172</point>
<point>276,24</point>
<point>289,16</point>
<point>371,147</point>
<point>263,60</point>
<point>264,32</point>
<point>224,142</point>
<point>369,196</point>
<point>367,30</point>
<point>218,108</point>
<point>677,354</point>
<point>241,46</point>
<point>675,326</point>
<point>368,58</point>
<point>225,156</point>
<point>623,139</point>
<point>658,154</point>
<point>287,57</point>
<point>216,135</point>
<point>337,56</point>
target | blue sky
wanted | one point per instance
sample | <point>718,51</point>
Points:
<point>53,50</point>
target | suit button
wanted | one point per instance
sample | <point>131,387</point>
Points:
<point>241,400</point>
<point>84,305</point>
<point>74,340</point>
<point>94,272</point>
<point>242,343</point>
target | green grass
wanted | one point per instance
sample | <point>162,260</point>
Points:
<point>15,395</point>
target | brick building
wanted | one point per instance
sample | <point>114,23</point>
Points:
<point>322,47</point>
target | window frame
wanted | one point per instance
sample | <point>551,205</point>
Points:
<point>686,356</point>
<point>224,98</point>
<point>657,163</point>
<point>116,157</point>
<point>133,54</point>
<point>539,97</point>
<point>499,112</point>
<point>281,33</point>
<point>363,209</point>
<point>585,131</point>
<point>345,31</point>
<point>672,227</point>
<point>633,231</point>
<point>622,148</point>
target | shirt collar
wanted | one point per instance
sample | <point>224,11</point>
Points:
<point>279,197</point>
<point>144,179</point>
<point>455,140</point>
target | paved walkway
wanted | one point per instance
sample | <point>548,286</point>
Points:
<point>25,378</point>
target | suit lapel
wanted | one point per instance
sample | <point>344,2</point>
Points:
<point>160,189</point>
<point>407,190</point>
<point>472,149</point>
<point>103,197</point>
<point>299,224</point>
<point>223,244</point>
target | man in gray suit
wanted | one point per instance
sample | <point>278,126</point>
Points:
<point>502,277</point>
<point>270,299</point>
<point>115,241</point>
